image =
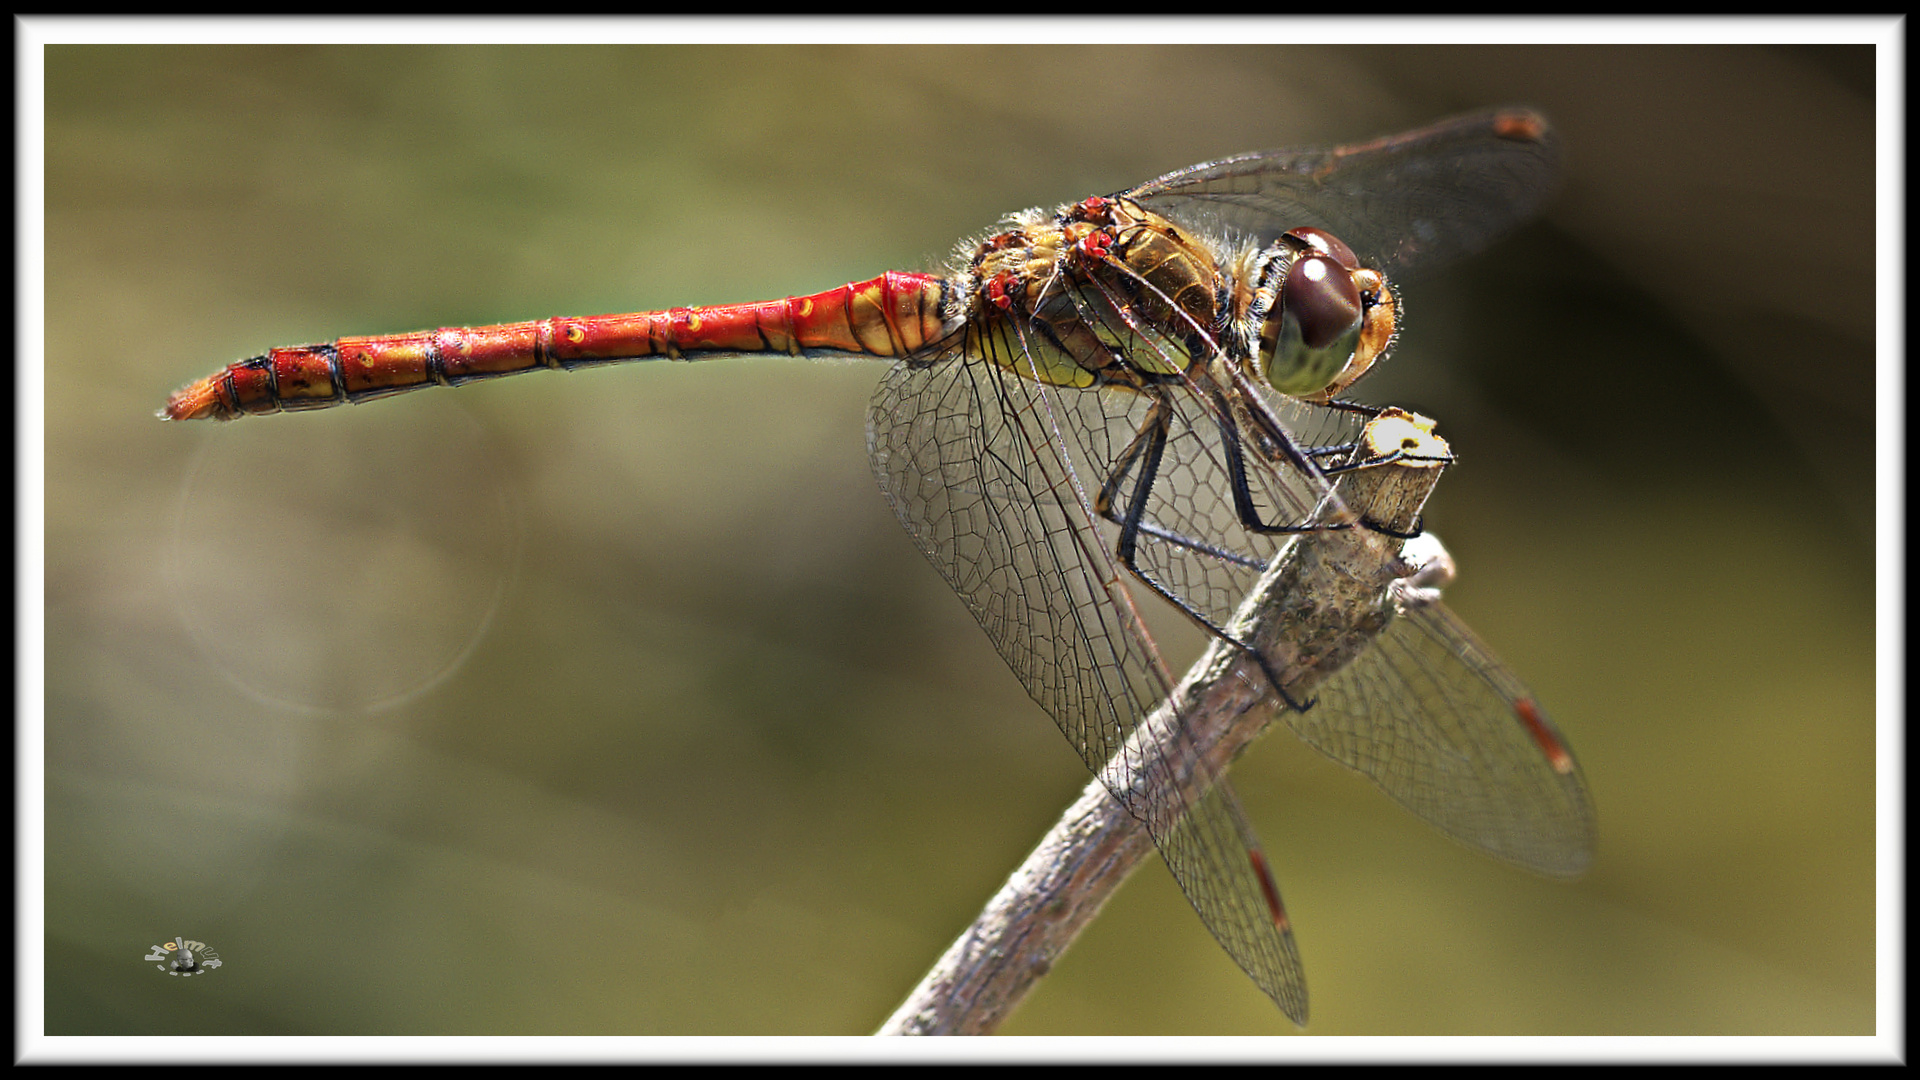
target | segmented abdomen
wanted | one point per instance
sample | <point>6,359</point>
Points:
<point>892,315</point>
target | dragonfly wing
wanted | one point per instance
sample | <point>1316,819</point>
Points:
<point>1404,203</point>
<point>980,466</point>
<point>1444,728</point>
<point>965,453</point>
<point>1219,865</point>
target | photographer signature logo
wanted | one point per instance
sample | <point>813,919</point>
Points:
<point>184,957</point>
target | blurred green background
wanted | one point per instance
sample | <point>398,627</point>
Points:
<point>618,703</point>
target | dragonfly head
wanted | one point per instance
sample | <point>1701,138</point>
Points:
<point>1324,319</point>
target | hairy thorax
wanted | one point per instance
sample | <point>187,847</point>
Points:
<point>1102,291</point>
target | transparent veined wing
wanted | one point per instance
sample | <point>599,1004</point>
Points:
<point>1404,203</point>
<point>1439,723</point>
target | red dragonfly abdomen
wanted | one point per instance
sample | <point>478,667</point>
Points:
<point>892,315</point>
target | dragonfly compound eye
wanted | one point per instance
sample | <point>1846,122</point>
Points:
<point>1326,244</point>
<point>1314,327</point>
<point>1319,293</point>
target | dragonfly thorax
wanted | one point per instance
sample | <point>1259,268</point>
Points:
<point>1102,291</point>
<point>1324,319</point>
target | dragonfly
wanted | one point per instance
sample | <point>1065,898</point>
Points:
<point>1136,398</point>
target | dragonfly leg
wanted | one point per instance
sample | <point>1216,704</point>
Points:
<point>1147,449</point>
<point>1236,463</point>
<point>1123,463</point>
<point>1274,434</point>
<point>1368,411</point>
